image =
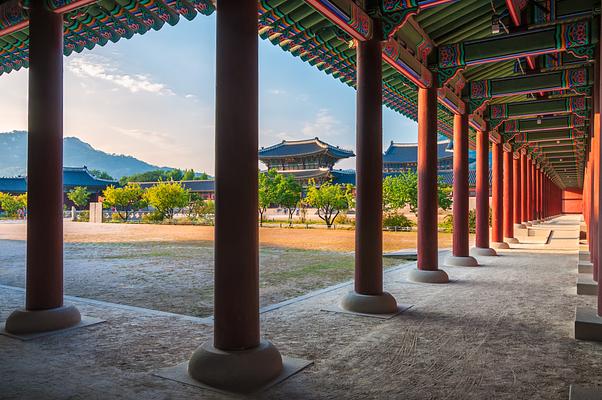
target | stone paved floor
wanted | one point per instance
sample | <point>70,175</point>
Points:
<point>503,330</point>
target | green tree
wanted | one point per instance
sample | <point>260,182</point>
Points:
<point>203,177</point>
<point>189,175</point>
<point>401,190</point>
<point>174,175</point>
<point>79,195</point>
<point>101,174</point>
<point>266,192</point>
<point>329,199</point>
<point>125,199</point>
<point>287,194</point>
<point>166,197</point>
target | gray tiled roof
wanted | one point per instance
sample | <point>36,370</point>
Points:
<point>303,147</point>
<point>408,152</point>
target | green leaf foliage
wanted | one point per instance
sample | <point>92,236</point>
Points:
<point>79,195</point>
<point>329,199</point>
<point>125,199</point>
<point>166,197</point>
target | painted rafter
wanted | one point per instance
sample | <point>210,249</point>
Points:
<point>543,124</point>
<point>395,13</point>
<point>346,15</point>
<point>575,79</point>
<point>575,37</point>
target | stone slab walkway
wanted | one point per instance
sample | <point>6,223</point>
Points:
<point>500,331</point>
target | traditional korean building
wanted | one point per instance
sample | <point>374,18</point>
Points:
<point>72,177</point>
<point>401,157</point>
<point>306,159</point>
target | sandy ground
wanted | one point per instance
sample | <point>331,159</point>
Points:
<point>500,331</point>
<point>177,276</point>
<point>314,239</point>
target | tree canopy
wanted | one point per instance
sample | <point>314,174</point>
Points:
<point>125,199</point>
<point>329,199</point>
<point>79,195</point>
<point>401,190</point>
<point>166,197</point>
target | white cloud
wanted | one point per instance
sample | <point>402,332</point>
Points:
<point>324,125</point>
<point>277,92</point>
<point>97,67</point>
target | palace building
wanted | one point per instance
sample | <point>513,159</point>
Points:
<point>306,160</point>
<point>72,177</point>
<point>400,157</point>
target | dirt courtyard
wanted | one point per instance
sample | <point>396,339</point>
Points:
<point>308,239</point>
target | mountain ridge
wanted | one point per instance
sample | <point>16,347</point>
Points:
<point>76,153</point>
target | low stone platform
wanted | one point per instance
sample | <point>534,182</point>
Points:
<point>586,285</point>
<point>581,392</point>
<point>585,267</point>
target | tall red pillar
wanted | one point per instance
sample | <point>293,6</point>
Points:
<point>428,265</point>
<point>44,309</point>
<point>529,204</point>
<point>524,191</point>
<point>460,250</point>
<point>497,191</point>
<point>482,201</point>
<point>508,197</point>
<point>516,190</point>
<point>368,296</point>
<point>533,192</point>
<point>237,359</point>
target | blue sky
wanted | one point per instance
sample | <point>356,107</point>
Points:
<point>153,97</point>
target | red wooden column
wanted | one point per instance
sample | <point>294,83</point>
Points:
<point>460,250</point>
<point>44,309</point>
<point>516,190</point>
<point>237,359</point>
<point>535,193</point>
<point>497,194</point>
<point>524,168</point>
<point>508,197</point>
<point>368,296</point>
<point>482,201</point>
<point>529,204</point>
<point>428,264</point>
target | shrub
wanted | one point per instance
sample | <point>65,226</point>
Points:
<point>343,219</point>
<point>397,219</point>
<point>153,217</point>
<point>448,222</point>
<point>83,216</point>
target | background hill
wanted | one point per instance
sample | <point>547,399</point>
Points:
<point>13,157</point>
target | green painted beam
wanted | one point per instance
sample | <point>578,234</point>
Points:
<point>577,104</point>
<point>542,124</point>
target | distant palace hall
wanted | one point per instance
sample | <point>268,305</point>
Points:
<point>307,159</point>
<point>400,157</point>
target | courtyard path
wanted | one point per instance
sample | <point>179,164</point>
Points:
<point>499,331</point>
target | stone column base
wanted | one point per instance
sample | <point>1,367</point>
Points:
<point>482,252</point>
<point>428,276</point>
<point>584,255</point>
<point>585,267</point>
<point>586,285</point>
<point>242,371</point>
<point>499,245</point>
<point>511,240</point>
<point>527,223</point>
<point>461,261</point>
<point>35,321</point>
<point>383,303</point>
<point>588,324</point>
<point>520,226</point>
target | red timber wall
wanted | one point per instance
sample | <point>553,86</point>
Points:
<point>572,201</point>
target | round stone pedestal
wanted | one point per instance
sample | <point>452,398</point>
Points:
<point>499,245</point>
<point>520,226</point>
<point>383,303</point>
<point>460,261</point>
<point>426,276</point>
<point>511,240</point>
<point>482,252</point>
<point>243,371</point>
<point>36,321</point>
<point>528,223</point>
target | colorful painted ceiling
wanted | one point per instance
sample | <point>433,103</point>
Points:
<point>523,67</point>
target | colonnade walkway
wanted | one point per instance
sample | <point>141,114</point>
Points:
<point>502,330</point>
